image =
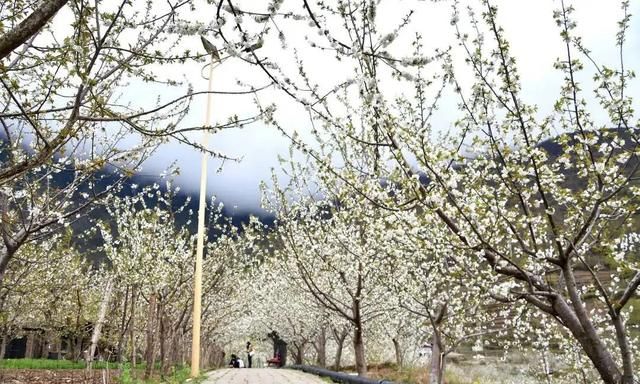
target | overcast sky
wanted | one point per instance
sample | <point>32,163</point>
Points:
<point>529,26</point>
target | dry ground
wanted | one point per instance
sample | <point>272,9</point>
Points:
<point>57,376</point>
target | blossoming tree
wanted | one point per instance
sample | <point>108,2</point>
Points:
<point>542,201</point>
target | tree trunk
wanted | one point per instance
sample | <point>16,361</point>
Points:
<point>358,347</point>
<point>299,355</point>
<point>358,341</point>
<point>132,327</point>
<point>546,369</point>
<point>124,324</point>
<point>184,347</point>
<point>175,347</point>
<point>4,261</point>
<point>28,354</point>
<point>321,348</point>
<point>338,359</point>
<point>398,349</point>
<point>77,348</point>
<point>436,374</point>
<point>3,253</point>
<point>3,346</point>
<point>340,337</point>
<point>176,337</point>
<point>581,327</point>
<point>625,350</point>
<point>78,333</point>
<point>149,350</point>
<point>6,254</point>
<point>59,347</point>
<point>97,329</point>
<point>45,342</point>
<point>161,319</point>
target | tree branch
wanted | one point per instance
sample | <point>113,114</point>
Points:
<point>29,26</point>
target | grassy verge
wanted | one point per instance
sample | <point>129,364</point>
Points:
<point>121,374</point>
<point>390,371</point>
<point>178,376</point>
<point>49,364</point>
<point>491,373</point>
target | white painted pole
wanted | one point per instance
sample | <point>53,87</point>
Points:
<point>197,284</point>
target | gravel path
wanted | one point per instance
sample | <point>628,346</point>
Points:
<point>261,376</point>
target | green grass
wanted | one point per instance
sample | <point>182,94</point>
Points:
<point>49,364</point>
<point>179,376</point>
<point>183,374</point>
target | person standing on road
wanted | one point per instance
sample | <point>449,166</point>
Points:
<point>250,353</point>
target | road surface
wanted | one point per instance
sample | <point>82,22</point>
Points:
<point>261,376</point>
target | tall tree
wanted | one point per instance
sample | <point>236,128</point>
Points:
<point>70,128</point>
<point>545,215</point>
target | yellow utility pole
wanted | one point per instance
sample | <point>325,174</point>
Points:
<point>197,280</point>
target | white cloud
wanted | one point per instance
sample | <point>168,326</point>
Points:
<point>528,25</point>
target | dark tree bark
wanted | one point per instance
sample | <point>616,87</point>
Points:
<point>298,354</point>
<point>177,334</point>
<point>358,339</point>
<point>58,348</point>
<point>3,346</point>
<point>97,329</point>
<point>77,348</point>
<point>11,245</point>
<point>175,348</point>
<point>28,354</point>
<point>163,340</point>
<point>75,343</point>
<point>320,346</point>
<point>340,337</point>
<point>132,328</point>
<point>150,347</point>
<point>124,325</point>
<point>358,347</point>
<point>45,342</point>
<point>29,26</point>
<point>398,349</point>
<point>436,373</point>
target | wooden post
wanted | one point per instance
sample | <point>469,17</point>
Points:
<point>197,283</point>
